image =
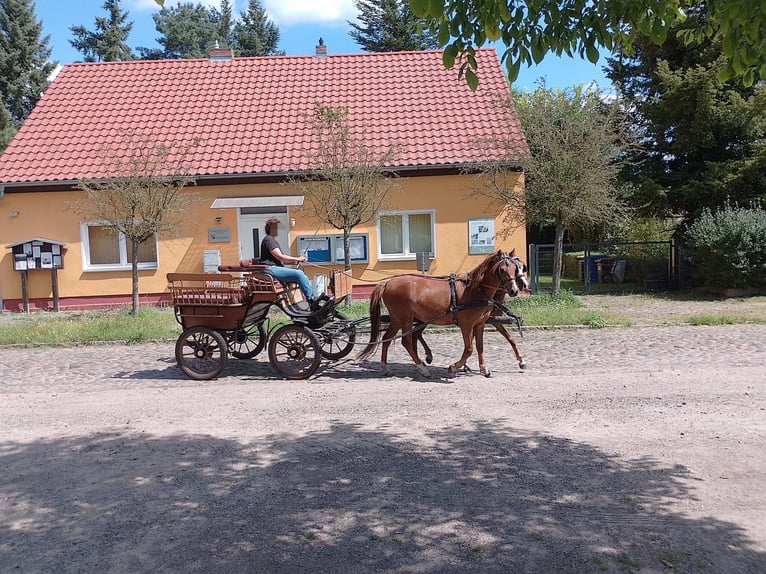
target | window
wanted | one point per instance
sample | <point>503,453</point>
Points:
<point>402,235</point>
<point>329,248</point>
<point>106,250</point>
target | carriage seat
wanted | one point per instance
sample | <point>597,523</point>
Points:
<point>262,285</point>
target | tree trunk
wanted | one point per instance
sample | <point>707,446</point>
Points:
<point>347,250</point>
<point>558,257</point>
<point>134,269</point>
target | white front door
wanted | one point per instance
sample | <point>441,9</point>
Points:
<point>251,233</point>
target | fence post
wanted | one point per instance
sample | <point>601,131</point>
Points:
<point>533,268</point>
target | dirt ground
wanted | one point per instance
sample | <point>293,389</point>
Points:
<point>617,450</point>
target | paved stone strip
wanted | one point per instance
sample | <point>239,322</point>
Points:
<point>547,353</point>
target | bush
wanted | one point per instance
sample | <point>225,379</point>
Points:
<point>727,248</point>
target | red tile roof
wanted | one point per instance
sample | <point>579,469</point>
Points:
<point>249,112</point>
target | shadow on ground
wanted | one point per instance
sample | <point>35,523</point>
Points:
<point>484,499</point>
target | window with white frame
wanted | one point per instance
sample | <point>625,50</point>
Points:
<point>104,249</point>
<point>403,234</point>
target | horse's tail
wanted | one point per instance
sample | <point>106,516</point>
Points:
<point>374,322</point>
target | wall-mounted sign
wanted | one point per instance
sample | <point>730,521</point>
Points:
<point>481,236</point>
<point>219,234</point>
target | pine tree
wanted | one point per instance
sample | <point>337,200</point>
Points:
<point>389,26</point>
<point>108,43</point>
<point>225,22</point>
<point>186,31</point>
<point>24,64</point>
<point>255,34</point>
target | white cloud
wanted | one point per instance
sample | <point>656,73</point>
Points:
<point>143,5</point>
<point>284,12</point>
<point>307,11</point>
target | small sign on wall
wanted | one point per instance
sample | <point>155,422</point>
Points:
<point>219,234</point>
<point>481,235</point>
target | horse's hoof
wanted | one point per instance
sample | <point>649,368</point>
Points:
<point>487,373</point>
<point>429,359</point>
<point>423,371</point>
<point>451,369</point>
<point>522,365</point>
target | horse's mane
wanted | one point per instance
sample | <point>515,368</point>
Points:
<point>477,274</point>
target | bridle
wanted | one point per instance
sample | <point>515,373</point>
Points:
<point>508,283</point>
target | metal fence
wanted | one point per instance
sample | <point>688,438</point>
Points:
<point>587,268</point>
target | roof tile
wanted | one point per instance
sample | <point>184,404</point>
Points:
<point>250,112</point>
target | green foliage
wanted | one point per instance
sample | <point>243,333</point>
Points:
<point>186,31</point>
<point>727,248</point>
<point>254,34</point>
<point>24,64</point>
<point>108,43</point>
<point>576,141</point>
<point>390,26</point>
<point>703,137</point>
<point>531,29</point>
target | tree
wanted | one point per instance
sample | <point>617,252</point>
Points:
<point>704,137</point>
<point>530,29</point>
<point>576,141</point>
<point>108,43</point>
<point>346,184</point>
<point>187,31</point>
<point>254,34</point>
<point>225,25</point>
<point>390,26</point>
<point>24,64</point>
<point>143,195</point>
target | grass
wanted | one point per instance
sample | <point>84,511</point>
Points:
<point>159,324</point>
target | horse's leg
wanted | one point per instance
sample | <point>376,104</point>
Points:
<point>408,342</point>
<point>504,332</point>
<point>467,349</point>
<point>388,336</point>
<point>418,336</point>
<point>478,335</point>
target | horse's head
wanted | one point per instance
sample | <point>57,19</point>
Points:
<point>512,273</point>
<point>508,272</point>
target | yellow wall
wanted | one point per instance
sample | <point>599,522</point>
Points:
<point>46,215</point>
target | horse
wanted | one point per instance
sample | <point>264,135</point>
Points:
<point>465,299</point>
<point>523,284</point>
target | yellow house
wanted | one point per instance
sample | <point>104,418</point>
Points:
<point>250,117</point>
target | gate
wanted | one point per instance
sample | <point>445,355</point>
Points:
<point>587,268</point>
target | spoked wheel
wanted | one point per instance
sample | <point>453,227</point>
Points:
<point>295,352</point>
<point>335,348</point>
<point>247,342</point>
<point>201,353</point>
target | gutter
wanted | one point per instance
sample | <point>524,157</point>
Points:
<point>257,177</point>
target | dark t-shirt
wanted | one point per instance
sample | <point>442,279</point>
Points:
<point>267,245</point>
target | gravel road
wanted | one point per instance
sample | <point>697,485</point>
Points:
<point>618,450</point>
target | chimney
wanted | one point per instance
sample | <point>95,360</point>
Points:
<point>321,49</point>
<point>221,54</point>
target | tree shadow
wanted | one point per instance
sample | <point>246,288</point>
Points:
<point>481,498</point>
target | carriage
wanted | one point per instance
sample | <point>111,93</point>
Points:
<point>224,314</point>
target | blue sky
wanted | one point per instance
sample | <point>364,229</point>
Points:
<point>301,23</point>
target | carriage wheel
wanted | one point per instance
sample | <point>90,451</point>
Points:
<point>201,353</point>
<point>295,351</point>
<point>337,348</point>
<point>247,342</point>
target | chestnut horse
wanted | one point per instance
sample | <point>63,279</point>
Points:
<point>523,285</point>
<point>465,300</point>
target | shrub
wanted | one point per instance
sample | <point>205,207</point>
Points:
<point>727,248</point>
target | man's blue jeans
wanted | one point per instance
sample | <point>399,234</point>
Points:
<point>292,275</point>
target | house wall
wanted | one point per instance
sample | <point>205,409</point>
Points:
<point>47,215</point>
